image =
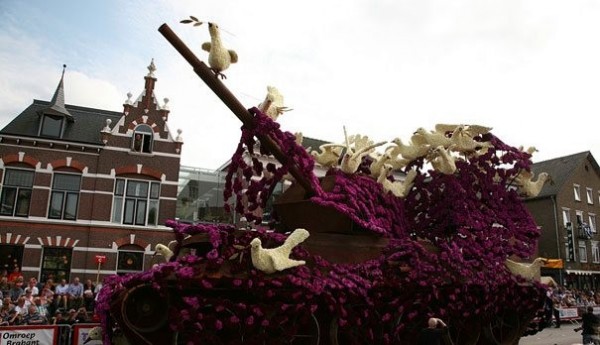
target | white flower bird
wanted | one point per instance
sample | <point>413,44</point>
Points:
<point>528,271</point>
<point>96,334</point>
<point>430,138</point>
<point>164,251</point>
<point>399,188</point>
<point>409,152</point>
<point>329,155</point>
<point>277,259</point>
<point>272,106</point>
<point>219,57</point>
<point>443,161</point>
<point>529,187</point>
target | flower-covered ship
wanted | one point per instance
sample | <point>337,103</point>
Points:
<point>377,264</point>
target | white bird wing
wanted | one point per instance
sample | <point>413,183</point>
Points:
<point>233,56</point>
<point>444,128</point>
<point>206,46</point>
<point>475,130</point>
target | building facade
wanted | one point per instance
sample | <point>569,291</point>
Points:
<point>86,192</point>
<point>566,211</point>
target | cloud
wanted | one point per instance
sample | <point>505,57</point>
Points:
<point>382,68</point>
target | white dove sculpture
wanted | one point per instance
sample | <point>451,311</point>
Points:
<point>529,187</point>
<point>272,260</point>
<point>164,251</point>
<point>273,106</point>
<point>443,162</point>
<point>399,188</point>
<point>219,57</point>
<point>96,334</point>
<point>528,271</point>
<point>329,155</point>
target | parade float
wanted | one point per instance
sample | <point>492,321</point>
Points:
<point>358,256</point>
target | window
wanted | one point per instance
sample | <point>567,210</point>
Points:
<point>579,217</point>
<point>576,192</point>
<point>16,192</point>
<point>52,126</point>
<point>590,196</point>
<point>56,263</point>
<point>566,216</point>
<point>582,252</point>
<point>136,202</point>
<point>65,196</point>
<point>130,259</point>
<point>142,139</point>
<point>595,252</point>
<point>592,222</point>
<point>10,257</point>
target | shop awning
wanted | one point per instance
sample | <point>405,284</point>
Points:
<point>582,272</point>
<point>553,263</point>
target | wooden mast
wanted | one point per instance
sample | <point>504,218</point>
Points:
<point>234,105</point>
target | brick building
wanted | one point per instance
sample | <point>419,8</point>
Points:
<point>566,211</point>
<point>78,183</point>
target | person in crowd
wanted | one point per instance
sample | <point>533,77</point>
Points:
<point>42,308</point>
<point>556,304</point>
<point>72,316</point>
<point>61,294</point>
<point>75,294</point>
<point>589,324</point>
<point>21,308</point>
<point>14,318</point>
<point>32,286</point>
<point>88,295</point>
<point>82,316</point>
<point>59,318</point>
<point>435,332</point>
<point>15,292</point>
<point>4,286</point>
<point>33,317</point>
<point>15,274</point>
<point>28,298</point>
<point>4,312</point>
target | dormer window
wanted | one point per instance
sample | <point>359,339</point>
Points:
<point>52,126</point>
<point>142,139</point>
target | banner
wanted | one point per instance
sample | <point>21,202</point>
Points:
<point>80,334</point>
<point>568,313</point>
<point>29,335</point>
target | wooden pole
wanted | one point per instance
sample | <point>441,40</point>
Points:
<point>98,273</point>
<point>213,82</point>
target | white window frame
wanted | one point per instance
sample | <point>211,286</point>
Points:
<point>595,252</point>
<point>582,252</point>
<point>580,214</point>
<point>590,195</point>
<point>592,222</point>
<point>142,139</point>
<point>124,200</point>
<point>577,192</point>
<point>566,214</point>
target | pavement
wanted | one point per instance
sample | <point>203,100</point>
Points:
<point>554,336</point>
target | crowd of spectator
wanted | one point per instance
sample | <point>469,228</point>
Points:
<point>29,302</point>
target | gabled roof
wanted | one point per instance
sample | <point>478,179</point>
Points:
<point>560,169</point>
<point>86,127</point>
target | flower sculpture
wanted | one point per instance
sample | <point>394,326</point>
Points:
<point>448,241</point>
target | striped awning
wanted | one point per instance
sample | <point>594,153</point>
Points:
<point>582,272</point>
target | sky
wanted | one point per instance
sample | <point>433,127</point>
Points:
<point>530,69</point>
